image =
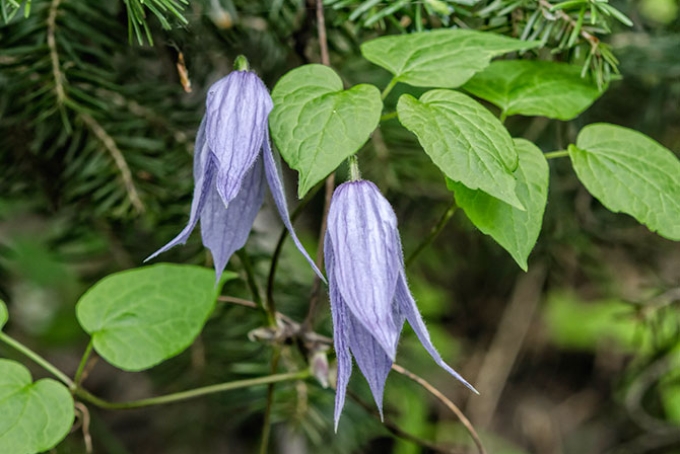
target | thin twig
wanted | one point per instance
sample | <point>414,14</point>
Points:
<point>85,425</point>
<point>321,30</point>
<point>287,328</point>
<point>329,186</point>
<point>398,431</point>
<point>445,400</point>
<point>238,301</point>
<point>118,158</point>
<point>54,55</point>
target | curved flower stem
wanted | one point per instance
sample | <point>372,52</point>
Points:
<point>83,362</point>
<point>556,154</point>
<point>436,230</point>
<point>354,172</point>
<point>282,238</point>
<point>39,360</point>
<point>445,400</point>
<point>397,431</point>
<point>190,394</point>
<point>269,306</point>
<point>316,287</point>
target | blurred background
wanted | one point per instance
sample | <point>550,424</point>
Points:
<point>579,355</point>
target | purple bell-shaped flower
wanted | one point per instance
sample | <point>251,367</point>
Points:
<point>370,299</point>
<point>233,161</point>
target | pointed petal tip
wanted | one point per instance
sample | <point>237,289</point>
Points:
<point>158,252</point>
<point>468,385</point>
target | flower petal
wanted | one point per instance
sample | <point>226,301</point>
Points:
<point>237,109</point>
<point>371,358</point>
<point>204,180</point>
<point>273,172</point>
<point>363,231</point>
<point>341,322</point>
<point>408,308</point>
<point>226,230</point>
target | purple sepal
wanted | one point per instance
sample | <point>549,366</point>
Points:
<point>204,174</point>
<point>228,172</point>
<point>370,299</point>
<point>275,181</point>
<point>225,231</point>
<point>237,109</point>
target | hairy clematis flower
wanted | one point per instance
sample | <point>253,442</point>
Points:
<point>370,299</point>
<point>233,159</point>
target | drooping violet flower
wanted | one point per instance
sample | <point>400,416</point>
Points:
<point>370,299</point>
<point>233,159</point>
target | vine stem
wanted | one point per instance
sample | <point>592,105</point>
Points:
<point>83,362</point>
<point>389,116</point>
<point>193,393</point>
<point>556,154</point>
<point>328,188</point>
<point>436,230</point>
<point>389,88</point>
<point>282,238</point>
<point>39,360</point>
<point>268,306</point>
<point>267,423</point>
<point>445,400</point>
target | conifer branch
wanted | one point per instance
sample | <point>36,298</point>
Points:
<point>593,40</point>
<point>54,54</point>
<point>118,158</point>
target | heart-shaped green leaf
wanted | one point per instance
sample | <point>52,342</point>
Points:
<point>4,315</point>
<point>316,124</point>
<point>444,58</point>
<point>630,173</point>
<point>464,140</point>
<point>515,230</point>
<point>138,318</point>
<point>525,87</point>
<point>34,417</point>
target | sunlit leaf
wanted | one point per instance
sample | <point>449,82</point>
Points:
<point>464,140</point>
<point>316,124</point>
<point>630,173</point>
<point>140,317</point>
<point>34,416</point>
<point>515,230</point>
<point>525,87</point>
<point>444,58</point>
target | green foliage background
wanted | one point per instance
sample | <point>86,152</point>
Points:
<point>96,136</point>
